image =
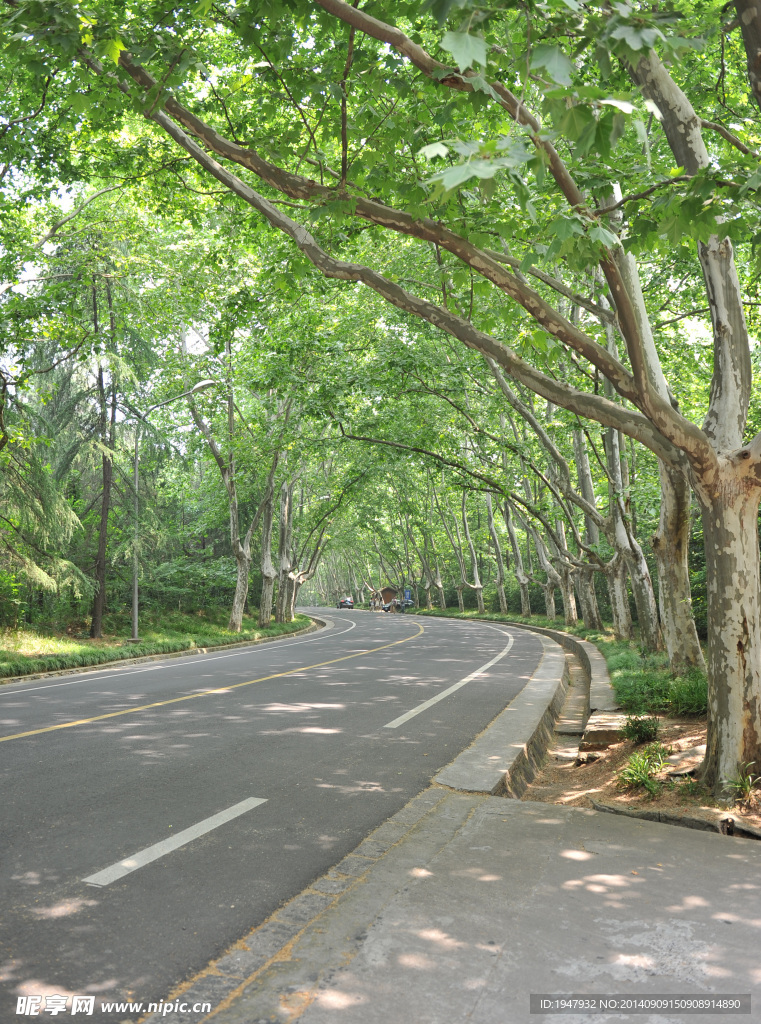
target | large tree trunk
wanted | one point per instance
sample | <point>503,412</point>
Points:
<point>624,543</point>
<point>644,596</point>
<point>548,588</point>
<point>265,603</point>
<point>243,562</point>
<point>269,574</point>
<point>295,588</point>
<point>730,526</point>
<point>671,546</point>
<point>283,604</point>
<point>615,575</point>
<point>585,587</point>
<point>570,613</point>
<point>285,598</point>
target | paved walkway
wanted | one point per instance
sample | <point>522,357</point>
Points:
<point>484,901</point>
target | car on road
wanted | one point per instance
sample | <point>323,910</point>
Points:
<point>345,602</point>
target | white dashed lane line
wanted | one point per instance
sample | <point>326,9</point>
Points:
<point>151,853</point>
<point>445,693</point>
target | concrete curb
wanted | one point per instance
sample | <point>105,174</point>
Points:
<point>718,824</point>
<point>100,666</point>
<point>602,696</point>
<point>505,757</point>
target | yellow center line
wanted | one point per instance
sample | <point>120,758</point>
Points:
<point>205,693</point>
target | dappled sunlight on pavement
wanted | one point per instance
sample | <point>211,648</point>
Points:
<point>491,900</point>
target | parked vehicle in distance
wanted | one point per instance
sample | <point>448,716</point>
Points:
<point>345,602</point>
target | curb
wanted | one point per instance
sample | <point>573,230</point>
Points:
<point>190,652</point>
<point>602,696</point>
<point>506,756</point>
<point>727,826</point>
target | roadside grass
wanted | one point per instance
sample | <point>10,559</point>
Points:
<point>641,767</point>
<point>643,682</point>
<point>27,651</point>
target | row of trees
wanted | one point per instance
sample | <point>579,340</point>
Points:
<point>554,191</point>
<point>105,318</point>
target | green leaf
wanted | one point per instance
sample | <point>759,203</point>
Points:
<point>623,105</point>
<point>466,49</point>
<point>80,103</point>
<point>113,48</point>
<point>575,120</point>
<point>479,84</point>
<point>433,149</point>
<point>600,234</point>
<point>442,8</point>
<point>565,227</point>
<point>554,62</point>
<point>753,182</point>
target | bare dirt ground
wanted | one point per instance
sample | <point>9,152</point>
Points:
<point>577,780</point>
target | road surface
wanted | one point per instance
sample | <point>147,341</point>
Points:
<point>154,814</point>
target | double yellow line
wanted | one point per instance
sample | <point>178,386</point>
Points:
<point>205,693</point>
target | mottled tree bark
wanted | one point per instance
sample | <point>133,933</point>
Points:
<point>585,588</point>
<point>671,546</point>
<point>500,581</point>
<point>269,574</point>
<point>730,515</point>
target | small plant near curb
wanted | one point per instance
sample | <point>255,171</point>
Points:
<point>688,786</point>
<point>640,730</point>
<point>743,784</point>
<point>639,770</point>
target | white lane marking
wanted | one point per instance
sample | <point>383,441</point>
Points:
<point>151,853</point>
<point>445,693</point>
<point>171,663</point>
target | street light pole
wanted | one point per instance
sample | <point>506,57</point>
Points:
<point>201,386</point>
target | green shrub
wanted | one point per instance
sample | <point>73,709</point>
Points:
<point>640,730</point>
<point>179,633</point>
<point>625,659</point>
<point>639,770</point>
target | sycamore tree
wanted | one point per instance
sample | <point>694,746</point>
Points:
<point>542,160</point>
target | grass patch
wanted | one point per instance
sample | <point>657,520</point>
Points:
<point>639,770</point>
<point>25,652</point>
<point>643,682</point>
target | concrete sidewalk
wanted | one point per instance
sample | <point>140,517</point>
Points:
<point>464,904</point>
<point>484,901</point>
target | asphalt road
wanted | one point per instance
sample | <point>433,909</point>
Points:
<point>152,815</point>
